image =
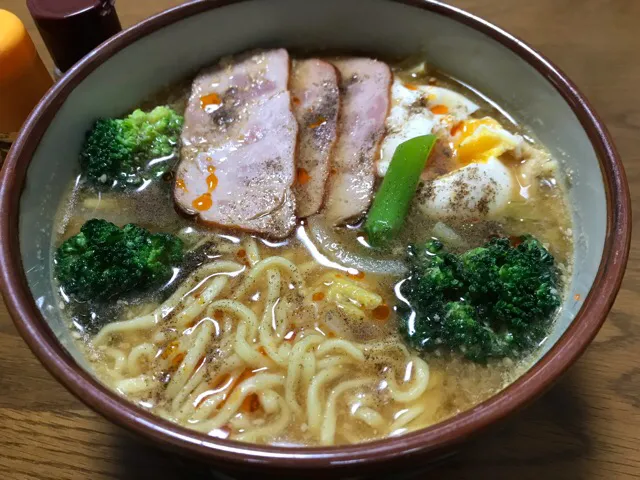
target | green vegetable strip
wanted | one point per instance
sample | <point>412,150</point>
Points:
<point>391,205</point>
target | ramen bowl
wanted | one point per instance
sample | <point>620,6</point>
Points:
<point>177,43</point>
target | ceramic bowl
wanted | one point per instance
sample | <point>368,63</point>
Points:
<point>175,44</point>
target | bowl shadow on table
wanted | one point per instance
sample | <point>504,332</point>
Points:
<point>547,440</point>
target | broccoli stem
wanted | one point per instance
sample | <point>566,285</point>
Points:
<point>391,204</point>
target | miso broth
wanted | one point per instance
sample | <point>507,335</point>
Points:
<point>295,340</point>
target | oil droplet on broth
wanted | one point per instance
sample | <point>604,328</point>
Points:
<point>381,312</point>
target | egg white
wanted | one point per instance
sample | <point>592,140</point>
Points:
<point>410,117</point>
<point>487,189</point>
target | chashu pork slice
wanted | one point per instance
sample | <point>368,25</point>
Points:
<point>316,104</point>
<point>365,87</point>
<point>238,146</point>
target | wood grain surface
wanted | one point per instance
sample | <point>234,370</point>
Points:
<point>586,427</point>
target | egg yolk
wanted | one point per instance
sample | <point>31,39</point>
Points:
<point>477,140</point>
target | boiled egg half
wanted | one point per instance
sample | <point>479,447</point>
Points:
<point>418,110</point>
<point>477,184</point>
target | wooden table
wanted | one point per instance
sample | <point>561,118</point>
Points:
<point>587,427</point>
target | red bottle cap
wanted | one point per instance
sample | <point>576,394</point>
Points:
<point>72,28</point>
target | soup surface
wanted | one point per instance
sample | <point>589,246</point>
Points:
<point>284,327</point>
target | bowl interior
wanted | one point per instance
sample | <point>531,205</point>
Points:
<point>379,27</point>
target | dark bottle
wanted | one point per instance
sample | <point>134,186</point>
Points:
<point>72,28</point>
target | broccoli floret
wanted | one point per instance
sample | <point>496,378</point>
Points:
<point>125,152</point>
<point>104,261</point>
<point>494,301</point>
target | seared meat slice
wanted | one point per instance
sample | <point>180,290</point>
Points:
<point>365,88</point>
<point>316,103</point>
<point>238,146</point>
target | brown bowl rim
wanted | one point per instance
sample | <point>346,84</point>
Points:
<point>412,446</point>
